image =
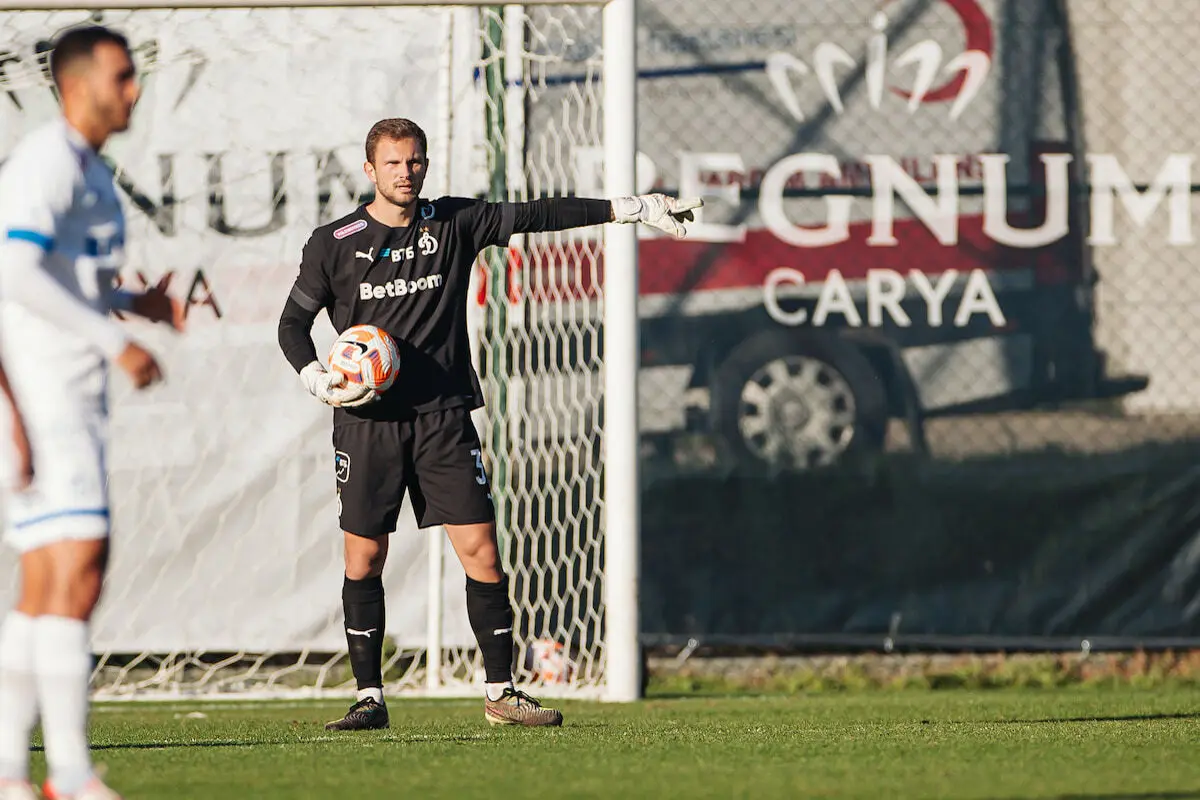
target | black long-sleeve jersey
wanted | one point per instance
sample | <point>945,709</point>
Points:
<point>413,282</point>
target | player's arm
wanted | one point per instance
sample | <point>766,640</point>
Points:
<point>560,213</point>
<point>25,281</point>
<point>153,304</point>
<point>26,238</point>
<point>310,293</point>
<point>557,214</point>
<point>24,468</point>
<point>497,221</point>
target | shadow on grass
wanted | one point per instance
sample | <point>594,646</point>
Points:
<point>1119,796</point>
<point>726,694</point>
<point>1117,718</point>
<point>234,743</point>
<point>169,745</point>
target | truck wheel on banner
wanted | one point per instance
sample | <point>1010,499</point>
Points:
<point>787,400</point>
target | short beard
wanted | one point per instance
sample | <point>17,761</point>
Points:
<point>396,202</point>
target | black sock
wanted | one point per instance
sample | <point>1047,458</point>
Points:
<point>363,605</point>
<point>491,617</point>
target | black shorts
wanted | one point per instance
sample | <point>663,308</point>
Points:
<point>436,457</point>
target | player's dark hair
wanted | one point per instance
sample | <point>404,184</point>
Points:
<point>80,43</point>
<point>395,128</point>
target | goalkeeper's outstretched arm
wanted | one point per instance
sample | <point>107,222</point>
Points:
<point>560,213</point>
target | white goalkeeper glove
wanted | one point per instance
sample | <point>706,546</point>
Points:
<point>657,210</point>
<point>332,389</point>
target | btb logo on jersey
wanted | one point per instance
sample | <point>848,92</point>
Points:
<point>427,244</point>
<point>341,467</point>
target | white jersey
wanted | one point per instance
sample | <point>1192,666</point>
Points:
<point>62,236</point>
<point>58,195</point>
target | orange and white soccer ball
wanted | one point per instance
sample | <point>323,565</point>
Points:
<point>366,354</point>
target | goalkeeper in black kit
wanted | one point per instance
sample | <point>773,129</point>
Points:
<point>403,263</point>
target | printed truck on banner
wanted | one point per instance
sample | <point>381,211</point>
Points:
<point>898,221</point>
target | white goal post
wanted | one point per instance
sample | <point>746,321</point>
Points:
<point>226,569</point>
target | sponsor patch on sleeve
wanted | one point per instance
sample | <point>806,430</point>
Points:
<point>353,227</point>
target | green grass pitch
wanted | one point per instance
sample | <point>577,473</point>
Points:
<point>1030,743</point>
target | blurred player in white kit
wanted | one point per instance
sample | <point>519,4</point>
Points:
<point>62,234</point>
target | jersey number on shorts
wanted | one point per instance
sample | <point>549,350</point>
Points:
<point>481,478</point>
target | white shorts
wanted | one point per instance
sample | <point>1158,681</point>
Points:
<point>69,496</point>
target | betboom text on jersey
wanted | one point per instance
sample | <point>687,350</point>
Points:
<point>398,288</point>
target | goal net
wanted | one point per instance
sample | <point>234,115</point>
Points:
<point>226,569</point>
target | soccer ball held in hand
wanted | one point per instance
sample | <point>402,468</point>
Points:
<point>366,355</point>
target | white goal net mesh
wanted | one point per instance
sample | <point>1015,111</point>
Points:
<point>226,568</point>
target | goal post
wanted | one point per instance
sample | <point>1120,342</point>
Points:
<point>622,357</point>
<point>226,563</point>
